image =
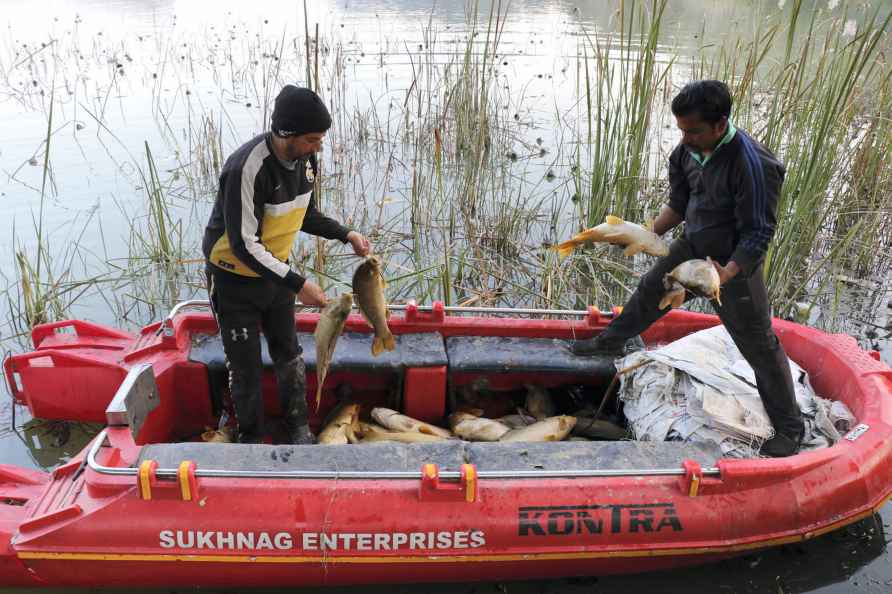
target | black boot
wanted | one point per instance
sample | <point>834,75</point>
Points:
<point>302,435</point>
<point>781,446</point>
<point>600,346</point>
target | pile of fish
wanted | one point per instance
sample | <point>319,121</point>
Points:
<point>537,421</point>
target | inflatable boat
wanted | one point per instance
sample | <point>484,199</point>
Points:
<point>147,503</point>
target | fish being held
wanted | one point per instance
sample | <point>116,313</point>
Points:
<point>395,421</point>
<point>551,429</point>
<point>697,276</point>
<point>633,237</point>
<point>343,426</point>
<point>368,291</point>
<point>328,328</point>
<point>674,296</point>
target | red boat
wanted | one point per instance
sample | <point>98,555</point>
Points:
<point>145,504</point>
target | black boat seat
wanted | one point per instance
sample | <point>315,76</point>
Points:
<point>448,455</point>
<point>353,353</point>
<point>505,354</point>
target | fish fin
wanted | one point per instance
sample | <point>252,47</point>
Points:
<point>565,249</point>
<point>649,225</point>
<point>665,301</point>
<point>678,299</point>
<point>377,346</point>
<point>318,395</point>
<point>390,342</point>
<point>718,296</point>
<point>633,249</point>
<point>612,220</point>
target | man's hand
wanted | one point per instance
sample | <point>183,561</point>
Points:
<point>312,294</point>
<point>726,272</point>
<point>361,245</point>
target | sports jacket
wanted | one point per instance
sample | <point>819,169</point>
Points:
<point>728,200</point>
<point>261,204</point>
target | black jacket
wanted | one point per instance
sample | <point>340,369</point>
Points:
<point>729,204</point>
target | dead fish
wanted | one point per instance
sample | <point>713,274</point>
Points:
<point>372,433</point>
<point>328,329</point>
<point>517,421</point>
<point>551,429</point>
<point>368,291</point>
<point>224,435</point>
<point>697,276</point>
<point>342,427</point>
<point>634,237</point>
<point>674,296</point>
<point>599,429</point>
<point>396,421</point>
<point>459,416</point>
<point>479,429</point>
<point>538,402</point>
<point>478,394</point>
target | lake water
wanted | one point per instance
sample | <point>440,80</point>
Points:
<point>142,84</point>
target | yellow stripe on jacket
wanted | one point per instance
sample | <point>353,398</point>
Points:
<point>280,224</point>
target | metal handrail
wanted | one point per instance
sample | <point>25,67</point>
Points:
<point>402,307</point>
<point>171,473</point>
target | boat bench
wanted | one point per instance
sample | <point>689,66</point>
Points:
<point>417,365</point>
<point>448,455</point>
<point>548,359</point>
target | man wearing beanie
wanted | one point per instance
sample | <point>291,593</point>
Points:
<point>265,197</point>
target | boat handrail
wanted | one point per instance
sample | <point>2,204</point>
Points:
<point>171,473</point>
<point>451,309</point>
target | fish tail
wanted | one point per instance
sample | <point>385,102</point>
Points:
<point>383,343</point>
<point>565,249</point>
<point>318,394</point>
<point>389,342</point>
<point>678,299</point>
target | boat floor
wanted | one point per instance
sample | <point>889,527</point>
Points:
<point>448,455</point>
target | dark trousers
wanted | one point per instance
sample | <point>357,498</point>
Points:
<point>745,312</point>
<point>242,310</point>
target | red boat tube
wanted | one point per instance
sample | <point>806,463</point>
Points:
<point>140,507</point>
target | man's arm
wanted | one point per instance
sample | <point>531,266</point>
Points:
<point>667,220</point>
<point>316,223</point>
<point>759,183</point>
<point>672,213</point>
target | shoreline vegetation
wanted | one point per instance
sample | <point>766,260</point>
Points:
<point>460,192</point>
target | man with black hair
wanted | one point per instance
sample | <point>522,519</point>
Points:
<point>265,197</point>
<point>724,186</point>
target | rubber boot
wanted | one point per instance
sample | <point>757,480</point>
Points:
<point>781,446</point>
<point>291,380</point>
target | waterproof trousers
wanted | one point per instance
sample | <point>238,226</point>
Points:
<point>243,310</point>
<point>744,311</point>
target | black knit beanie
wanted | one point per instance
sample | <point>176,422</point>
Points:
<point>299,111</point>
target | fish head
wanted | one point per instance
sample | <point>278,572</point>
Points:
<point>374,261</point>
<point>345,303</point>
